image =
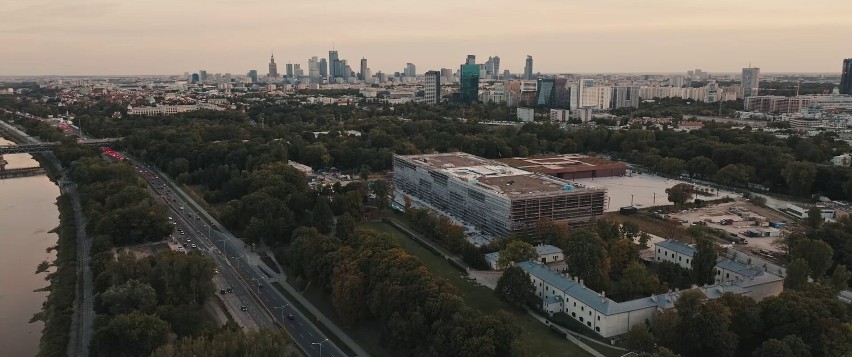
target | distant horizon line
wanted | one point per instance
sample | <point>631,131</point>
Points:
<point>541,73</point>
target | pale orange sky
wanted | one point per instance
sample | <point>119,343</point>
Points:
<point>170,37</point>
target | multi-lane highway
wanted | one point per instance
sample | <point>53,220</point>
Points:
<point>266,306</point>
<point>262,303</point>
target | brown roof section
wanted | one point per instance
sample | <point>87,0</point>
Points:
<point>560,164</point>
<point>523,184</point>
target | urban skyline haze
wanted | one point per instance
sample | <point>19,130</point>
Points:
<point>111,37</point>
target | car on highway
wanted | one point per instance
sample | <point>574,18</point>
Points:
<point>244,308</point>
<point>290,317</point>
<point>193,246</point>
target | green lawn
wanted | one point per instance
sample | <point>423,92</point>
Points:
<point>536,338</point>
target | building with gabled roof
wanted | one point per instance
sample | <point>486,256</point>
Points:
<point>562,293</point>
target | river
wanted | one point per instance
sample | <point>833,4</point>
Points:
<point>27,212</point>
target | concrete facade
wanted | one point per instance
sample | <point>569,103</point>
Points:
<point>492,196</point>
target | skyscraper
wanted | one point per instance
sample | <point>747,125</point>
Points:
<point>432,90</point>
<point>333,64</point>
<point>253,75</point>
<point>289,70</point>
<point>750,81</point>
<point>362,75</point>
<point>410,70</point>
<point>544,88</point>
<point>471,59</point>
<point>493,66</point>
<point>561,94</point>
<point>469,80</point>
<point>202,75</point>
<point>313,67</point>
<point>528,68</point>
<point>846,77</point>
<point>323,68</point>
<point>273,68</point>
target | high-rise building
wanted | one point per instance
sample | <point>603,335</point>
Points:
<point>362,75</point>
<point>297,71</point>
<point>410,70</point>
<point>432,91</point>
<point>528,68</point>
<point>471,59</point>
<point>313,67</point>
<point>561,94</point>
<point>253,75</point>
<point>544,87</point>
<point>507,75</point>
<point>323,68</point>
<point>273,68</point>
<point>469,80</point>
<point>202,75</point>
<point>624,97</point>
<point>446,73</point>
<point>195,78</point>
<point>846,77</point>
<point>289,70</point>
<point>333,64</point>
<point>339,68</point>
<point>492,67</point>
<point>750,81</point>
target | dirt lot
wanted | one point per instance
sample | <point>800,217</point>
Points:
<point>745,216</point>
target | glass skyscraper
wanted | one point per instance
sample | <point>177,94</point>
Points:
<point>333,64</point>
<point>846,77</point>
<point>545,92</point>
<point>469,81</point>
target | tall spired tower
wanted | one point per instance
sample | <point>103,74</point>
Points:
<point>273,68</point>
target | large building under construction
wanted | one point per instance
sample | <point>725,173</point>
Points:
<point>569,166</point>
<point>492,196</point>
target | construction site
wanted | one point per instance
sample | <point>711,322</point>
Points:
<point>496,198</point>
<point>751,228</point>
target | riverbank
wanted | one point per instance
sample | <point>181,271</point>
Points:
<point>59,307</point>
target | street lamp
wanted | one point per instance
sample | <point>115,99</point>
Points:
<point>320,345</point>
<point>238,262</point>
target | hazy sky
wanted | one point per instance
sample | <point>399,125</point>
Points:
<point>176,36</point>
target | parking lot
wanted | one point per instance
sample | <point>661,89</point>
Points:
<point>643,190</point>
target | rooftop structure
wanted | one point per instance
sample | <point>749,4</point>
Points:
<point>569,166</point>
<point>561,293</point>
<point>492,196</point>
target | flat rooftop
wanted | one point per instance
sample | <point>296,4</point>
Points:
<point>491,174</point>
<point>562,163</point>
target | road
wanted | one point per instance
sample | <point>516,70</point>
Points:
<point>266,305</point>
<point>86,308</point>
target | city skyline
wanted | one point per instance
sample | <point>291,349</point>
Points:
<point>104,37</point>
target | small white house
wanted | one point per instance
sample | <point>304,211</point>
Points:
<point>842,160</point>
<point>675,252</point>
<point>546,254</point>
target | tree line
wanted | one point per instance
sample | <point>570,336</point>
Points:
<point>370,278</point>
